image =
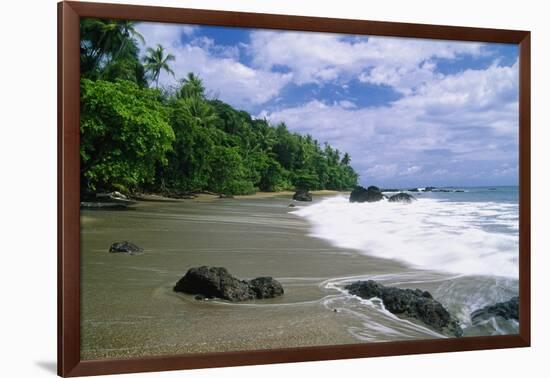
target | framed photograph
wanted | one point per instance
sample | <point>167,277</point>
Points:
<point>239,188</point>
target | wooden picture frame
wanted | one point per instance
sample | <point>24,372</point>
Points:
<point>69,361</point>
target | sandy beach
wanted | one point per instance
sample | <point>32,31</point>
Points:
<point>129,308</point>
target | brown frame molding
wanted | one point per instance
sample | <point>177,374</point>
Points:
<point>69,13</point>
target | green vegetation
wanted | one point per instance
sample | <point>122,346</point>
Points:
<point>137,138</point>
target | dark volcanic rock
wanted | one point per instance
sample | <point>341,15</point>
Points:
<point>371,194</point>
<point>402,197</point>
<point>506,310</point>
<point>416,304</point>
<point>109,201</point>
<point>217,282</point>
<point>213,282</point>
<point>125,246</point>
<point>302,195</point>
<point>266,287</point>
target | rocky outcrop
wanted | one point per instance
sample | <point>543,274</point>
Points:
<point>302,195</point>
<point>125,247</point>
<point>266,287</point>
<point>109,201</point>
<point>114,197</point>
<point>402,197</point>
<point>506,310</point>
<point>217,282</point>
<point>371,194</point>
<point>409,303</point>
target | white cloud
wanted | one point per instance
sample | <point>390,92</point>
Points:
<point>403,64</point>
<point>229,79</point>
<point>412,170</point>
<point>325,122</point>
<point>454,120</point>
<point>475,98</point>
<point>382,170</point>
<point>218,66</point>
<point>347,104</point>
<point>441,124</point>
<point>168,35</point>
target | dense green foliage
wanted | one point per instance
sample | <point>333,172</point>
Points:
<point>138,138</point>
<point>125,132</point>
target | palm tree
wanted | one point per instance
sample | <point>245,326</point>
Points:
<point>127,32</point>
<point>197,112</point>
<point>192,86</point>
<point>107,39</point>
<point>156,61</point>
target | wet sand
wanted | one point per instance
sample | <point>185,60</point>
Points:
<point>129,309</point>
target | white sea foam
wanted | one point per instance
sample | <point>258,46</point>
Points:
<point>457,237</point>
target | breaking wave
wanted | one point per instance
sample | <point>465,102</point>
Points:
<point>471,238</point>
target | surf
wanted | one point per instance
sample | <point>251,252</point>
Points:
<point>469,238</point>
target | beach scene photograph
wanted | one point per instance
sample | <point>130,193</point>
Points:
<point>249,189</point>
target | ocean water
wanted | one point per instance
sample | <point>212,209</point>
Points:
<point>462,246</point>
<point>474,232</point>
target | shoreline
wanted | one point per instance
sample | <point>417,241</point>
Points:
<point>127,301</point>
<point>213,196</point>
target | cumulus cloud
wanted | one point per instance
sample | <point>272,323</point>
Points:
<point>403,64</point>
<point>457,123</point>
<point>168,35</point>
<point>449,125</point>
<point>218,66</point>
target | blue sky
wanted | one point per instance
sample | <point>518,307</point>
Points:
<point>410,112</point>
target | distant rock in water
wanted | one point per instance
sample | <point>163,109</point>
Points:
<point>302,195</point>
<point>217,282</point>
<point>402,197</point>
<point>410,303</point>
<point>125,247</point>
<point>371,194</point>
<point>506,310</point>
